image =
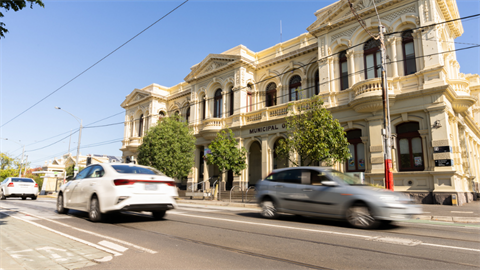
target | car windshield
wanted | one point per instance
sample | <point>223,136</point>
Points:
<point>135,170</point>
<point>24,180</point>
<point>353,181</point>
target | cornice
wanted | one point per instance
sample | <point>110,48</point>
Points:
<point>288,56</point>
<point>179,94</point>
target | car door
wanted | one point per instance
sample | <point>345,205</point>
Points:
<point>286,187</point>
<point>87,186</point>
<point>323,199</point>
<point>70,192</point>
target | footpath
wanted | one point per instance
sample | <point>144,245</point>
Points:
<point>467,213</point>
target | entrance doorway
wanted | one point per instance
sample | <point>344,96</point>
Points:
<point>254,164</point>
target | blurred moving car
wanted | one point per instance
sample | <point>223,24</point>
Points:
<point>18,187</point>
<point>324,192</point>
<point>112,187</point>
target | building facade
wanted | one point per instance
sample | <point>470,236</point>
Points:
<point>435,109</point>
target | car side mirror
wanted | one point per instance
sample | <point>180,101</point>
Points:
<point>330,183</point>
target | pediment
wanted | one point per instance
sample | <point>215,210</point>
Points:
<point>211,64</point>
<point>136,96</point>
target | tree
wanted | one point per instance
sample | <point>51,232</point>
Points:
<point>36,177</point>
<point>313,134</point>
<point>8,166</point>
<point>15,5</point>
<point>70,170</point>
<point>169,147</point>
<point>225,153</point>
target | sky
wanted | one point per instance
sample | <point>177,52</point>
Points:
<point>46,48</point>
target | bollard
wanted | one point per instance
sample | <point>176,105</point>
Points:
<point>454,199</point>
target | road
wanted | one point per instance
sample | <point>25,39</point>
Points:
<point>34,236</point>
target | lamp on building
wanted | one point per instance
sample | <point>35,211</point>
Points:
<point>437,124</point>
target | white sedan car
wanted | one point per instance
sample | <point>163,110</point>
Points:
<point>113,187</point>
<point>19,187</point>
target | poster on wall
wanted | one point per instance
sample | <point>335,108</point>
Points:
<point>418,161</point>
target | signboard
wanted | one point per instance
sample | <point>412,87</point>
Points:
<point>266,128</point>
<point>443,162</point>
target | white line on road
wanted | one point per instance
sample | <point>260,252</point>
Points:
<point>95,234</point>
<point>69,236</point>
<point>112,246</point>
<point>365,237</point>
<point>464,212</point>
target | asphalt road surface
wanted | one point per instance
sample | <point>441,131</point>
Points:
<point>34,236</point>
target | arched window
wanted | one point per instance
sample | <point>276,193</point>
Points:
<point>409,65</point>
<point>317,83</point>
<point>231,100</point>
<point>217,110</point>
<point>271,95</point>
<point>343,70</point>
<point>204,107</point>
<point>409,144</point>
<point>161,115</point>
<point>372,59</point>
<point>140,126</point>
<point>295,83</point>
<point>356,163</point>
<point>187,115</point>
<point>249,98</point>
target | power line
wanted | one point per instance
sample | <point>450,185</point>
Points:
<point>95,63</point>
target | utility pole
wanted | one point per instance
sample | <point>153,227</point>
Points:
<point>20,169</point>
<point>386,131</point>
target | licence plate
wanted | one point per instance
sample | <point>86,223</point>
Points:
<point>150,186</point>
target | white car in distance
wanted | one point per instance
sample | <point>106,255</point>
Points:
<point>112,187</point>
<point>18,187</point>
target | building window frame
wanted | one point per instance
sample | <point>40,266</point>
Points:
<point>140,126</point>
<point>271,95</point>
<point>408,132</point>
<point>371,53</point>
<point>217,108</point>
<point>232,94</point>
<point>294,83</point>
<point>408,46</point>
<point>317,83</point>
<point>355,142</point>
<point>343,67</point>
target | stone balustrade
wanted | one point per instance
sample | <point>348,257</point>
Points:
<point>460,86</point>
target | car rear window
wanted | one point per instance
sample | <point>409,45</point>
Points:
<point>25,180</point>
<point>135,170</point>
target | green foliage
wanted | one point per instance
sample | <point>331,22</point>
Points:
<point>36,177</point>
<point>226,154</point>
<point>313,134</point>
<point>15,5</point>
<point>70,170</point>
<point>169,147</point>
<point>9,166</point>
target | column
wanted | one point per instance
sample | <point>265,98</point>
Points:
<point>331,72</point>
<point>426,159</point>
<point>206,173</point>
<point>393,50</point>
<point>417,42</point>
<point>351,67</point>
<point>264,156</point>
<point>196,168</point>
<point>366,147</point>
<point>224,104</point>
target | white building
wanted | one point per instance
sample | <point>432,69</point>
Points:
<point>434,108</point>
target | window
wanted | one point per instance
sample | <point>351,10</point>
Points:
<point>135,170</point>
<point>371,52</point>
<point>317,83</point>
<point>356,163</point>
<point>408,53</point>
<point>82,174</point>
<point>22,180</point>
<point>294,85</point>
<point>161,115</point>
<point>187,115</point>
<point>249,98</point>
<point>217,112</point>
<point>231,100</point>
<point>204,104</point>
<point>95,172</point>
<point>289,176</point>
<point>271,95</point>
<point>343,70</point>
<point>140,126</point>
<point>409,144</point>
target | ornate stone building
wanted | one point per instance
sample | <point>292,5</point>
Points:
<point>435,109</point>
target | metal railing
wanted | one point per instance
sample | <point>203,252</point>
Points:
<point>246,194</point>
<point>231,192</point>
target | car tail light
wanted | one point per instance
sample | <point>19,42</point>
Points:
<point>36,185</point>
<point>169,183</point>
<point>10,185</point>
<point>123,182</point>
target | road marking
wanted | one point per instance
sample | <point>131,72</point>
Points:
<point>69,236</point>
<point>464,212</point>
<point>112,246</point>
<point>95,234</point>
<point>365,237</point>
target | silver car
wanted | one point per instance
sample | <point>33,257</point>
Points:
<point>19,187</point>
<point>324,192</point>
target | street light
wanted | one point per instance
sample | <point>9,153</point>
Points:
<point>75,171</point>
<point>23,152</point>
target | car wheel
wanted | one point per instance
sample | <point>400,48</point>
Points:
<point>158,214</point>
<point>24,198</point>
<point>3,196</point>
<point>60,206</point>
<point>359,216</point>
<point>34,197</point>
<point>94,213</point>
<point>269,210</point>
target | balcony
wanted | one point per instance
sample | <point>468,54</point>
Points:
<point>131,143</point>
<point>460,86</point>
<point>463,100</point>
<point>368,95</point>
